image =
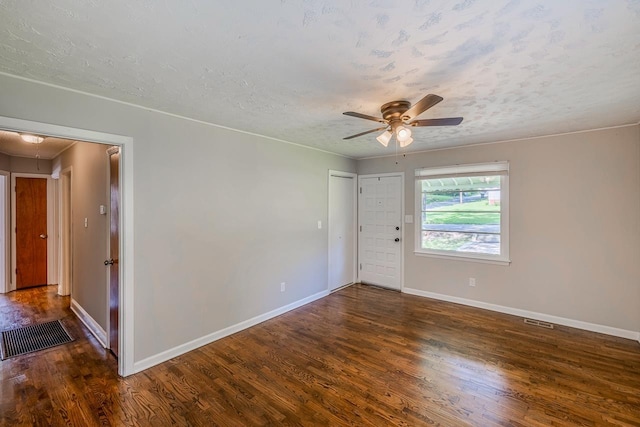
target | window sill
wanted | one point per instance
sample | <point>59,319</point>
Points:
<point>461,257</point>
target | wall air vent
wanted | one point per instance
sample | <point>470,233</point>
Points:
<point>540,323</point>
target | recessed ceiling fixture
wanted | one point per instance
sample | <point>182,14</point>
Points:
<point>398,116</point>
<point>34,139</point>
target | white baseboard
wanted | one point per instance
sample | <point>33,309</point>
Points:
<point>608,330</point>
<point>207,339</point>
<point>93,326</point>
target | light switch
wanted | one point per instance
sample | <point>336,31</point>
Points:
<point>103,210</point>
<point>319,225</point>
<point>86,222</point>
<point>408,219</point>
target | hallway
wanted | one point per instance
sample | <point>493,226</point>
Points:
<point>59,384</point>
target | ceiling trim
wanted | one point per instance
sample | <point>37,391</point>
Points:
<point>502,141</point>
<point>168,114</point>
<point>65,149</point>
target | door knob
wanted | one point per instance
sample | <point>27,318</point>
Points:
<point>397,239</point>
<point>108,261</point>
<point>397,228</point>
<point>43,236</point>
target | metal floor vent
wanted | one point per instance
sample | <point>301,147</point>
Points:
<point>32,338</point>
<point>540,323</point>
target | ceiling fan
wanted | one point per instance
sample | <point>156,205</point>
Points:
<point>398,116</point>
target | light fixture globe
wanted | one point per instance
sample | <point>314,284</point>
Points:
<point>33,139</point>
<point>406,142</point>
<point>384,138</point>
<point>403,134</point>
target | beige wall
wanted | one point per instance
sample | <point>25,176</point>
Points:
<point>221,217</point>
<point>89,244</point>
<point>5,162</point>
<point>574,227</point>
<point>29,165</point>
<point>24,165</point>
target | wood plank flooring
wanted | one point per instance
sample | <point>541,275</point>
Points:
<point>362,356</point>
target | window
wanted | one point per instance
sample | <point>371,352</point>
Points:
<point>463,211</point>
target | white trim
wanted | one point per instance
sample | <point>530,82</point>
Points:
<point>51,247</point>
<point>578,324</point>
<point>65,241</point>
<point>462,257</point>
<point>402,223</point>
<point>126,333</point>
<point>355,223</point>
<point>92,95</point>
<point>91,324</point>
<point>476,144</point>
<point>148,362</point>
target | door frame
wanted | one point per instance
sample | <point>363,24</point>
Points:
<point>126,272</point>
<point>5,224</point>
<point>52,245</point>
<point>354,176</point>
<point>65,242</point>
<point>402,221</point>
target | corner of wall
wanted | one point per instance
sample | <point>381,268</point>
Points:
<point>93,326</point>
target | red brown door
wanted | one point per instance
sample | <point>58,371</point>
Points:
<point>114,246</point>
<point>31,232</point>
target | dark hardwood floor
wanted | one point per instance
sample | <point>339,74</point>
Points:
<point>362,356</point>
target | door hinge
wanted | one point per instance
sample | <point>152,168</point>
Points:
<point>360,190</point>
<point>360,266</point>
<point>361,229</point>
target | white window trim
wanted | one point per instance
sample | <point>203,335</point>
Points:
<point>471,169</point>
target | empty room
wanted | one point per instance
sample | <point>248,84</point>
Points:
<point>320,213</point>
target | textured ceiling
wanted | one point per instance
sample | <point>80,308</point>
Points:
<point>288,69</point>
<point>13,145</point>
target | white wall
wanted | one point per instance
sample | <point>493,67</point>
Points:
<point>89,244</point>
<point>221,217</point>
<point>575,227</point>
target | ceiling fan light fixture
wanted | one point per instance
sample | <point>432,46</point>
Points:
<point>403,134</point>
<point>384,138</point>
<point>406,142</point>
<point>33,139</point>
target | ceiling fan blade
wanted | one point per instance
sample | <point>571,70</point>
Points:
<point>363,116</point>
<point>421,106</point>
<point>364,133</point>
<point>450,121</point>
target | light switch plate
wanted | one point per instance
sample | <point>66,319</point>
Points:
<point>408,219</point>
<point>319,225</point>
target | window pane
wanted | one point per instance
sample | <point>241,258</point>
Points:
<point>461,242</point>
<point>462,219</point>
<point>471,183</point>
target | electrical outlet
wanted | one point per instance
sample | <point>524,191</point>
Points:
<point>283,286</point>
<point>472,281</point>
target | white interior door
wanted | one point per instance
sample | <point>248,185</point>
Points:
<point>342,226</point>
<point>380,219</point>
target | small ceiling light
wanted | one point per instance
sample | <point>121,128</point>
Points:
<point>384,138</point>
<point>34,139</point>
<point>403,134</point>
<point>405,142</point>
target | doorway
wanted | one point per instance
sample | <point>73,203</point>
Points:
<point>380,243</point>
<point>341,227</point>
<point>125,271</point>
